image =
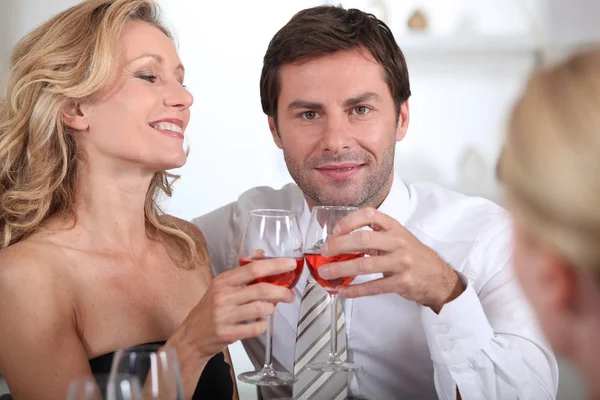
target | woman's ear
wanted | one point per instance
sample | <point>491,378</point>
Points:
<point>74,117</point>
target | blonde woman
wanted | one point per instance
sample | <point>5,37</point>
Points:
<point>551,170</point>
<point>94,113</point>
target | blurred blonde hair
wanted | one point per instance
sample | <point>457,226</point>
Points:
<point>551,162</point>
<point>66,60</point>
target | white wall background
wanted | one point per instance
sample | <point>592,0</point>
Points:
<point>465,74</point>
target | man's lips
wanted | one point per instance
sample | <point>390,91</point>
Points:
<point>339,171</point>
<point>339,166</point>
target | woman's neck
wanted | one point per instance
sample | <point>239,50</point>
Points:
<point>109,210</point>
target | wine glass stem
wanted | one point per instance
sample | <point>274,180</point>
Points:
<point>268,367</point>
<point>333,302</point>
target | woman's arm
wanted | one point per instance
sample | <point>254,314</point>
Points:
<point>206,273</point>
<point>228,361</point>
<point>40,350</point>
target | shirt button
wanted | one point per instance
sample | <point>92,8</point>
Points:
<point>448,346</point>
<point>444,329</point>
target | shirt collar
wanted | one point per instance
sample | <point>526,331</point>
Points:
<point>397,203</point>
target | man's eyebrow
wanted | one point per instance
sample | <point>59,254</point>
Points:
<point>311,105</point>
<point>361,99</point>
<point>297,104</point>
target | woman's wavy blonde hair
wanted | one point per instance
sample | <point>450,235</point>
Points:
<point>65,60</point>
<point>551,162</point>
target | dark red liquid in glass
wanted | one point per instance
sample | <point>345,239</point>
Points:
<point>316,261</point>
<point>287,279</point>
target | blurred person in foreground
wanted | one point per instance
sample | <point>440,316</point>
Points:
<point>551,172</point>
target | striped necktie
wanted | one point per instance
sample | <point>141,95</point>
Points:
<point>313,343</point>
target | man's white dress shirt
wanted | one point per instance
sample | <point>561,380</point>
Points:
<point>486,342</point>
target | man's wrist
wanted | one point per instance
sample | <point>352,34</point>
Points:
<point>452,288</point>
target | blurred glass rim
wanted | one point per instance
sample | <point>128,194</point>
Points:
<point>148,349</point>
<point>272,213</point>
<point>335,208</point>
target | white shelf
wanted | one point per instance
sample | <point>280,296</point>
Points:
<point>429,45</point>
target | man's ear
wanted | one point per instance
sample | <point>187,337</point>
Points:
<point>403,120</point>
<point>74,117</point>
<point>274,132</point>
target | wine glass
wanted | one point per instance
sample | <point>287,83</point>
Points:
<point>272,234</point>
<point>156,368</point>
<point>105,387</point>
<point>322,221</point>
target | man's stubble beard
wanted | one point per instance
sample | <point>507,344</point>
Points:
<point>371,192</point>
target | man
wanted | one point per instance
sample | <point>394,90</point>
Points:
<point>434,312</point>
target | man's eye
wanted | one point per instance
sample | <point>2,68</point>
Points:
<point>309,115</point>
<point>361,110</point>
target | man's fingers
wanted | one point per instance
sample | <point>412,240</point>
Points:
<point>364,242</point>
<point>372,288</point>
<point>367,216</point>
<point>360,266</point>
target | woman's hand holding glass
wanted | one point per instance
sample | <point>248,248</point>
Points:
<point>232,309</point>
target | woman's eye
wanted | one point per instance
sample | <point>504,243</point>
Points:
<point>148,77</point>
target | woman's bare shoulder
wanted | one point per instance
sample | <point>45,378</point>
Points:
<point>32,267</point>
<point>36,292</point>
<point>27,256</point>
<point>37,319</point>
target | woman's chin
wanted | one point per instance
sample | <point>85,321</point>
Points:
<point>177,161</point>
<point>165,166</point>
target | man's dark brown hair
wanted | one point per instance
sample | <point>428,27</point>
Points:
<point>323,30</point>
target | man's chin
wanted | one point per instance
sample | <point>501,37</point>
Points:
<point>327,192</point>
<point>338,199</point>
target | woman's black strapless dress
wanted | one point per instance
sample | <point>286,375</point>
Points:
<point>215,382</point>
